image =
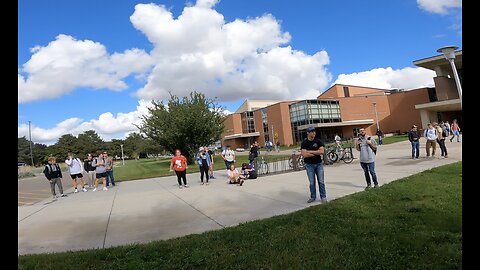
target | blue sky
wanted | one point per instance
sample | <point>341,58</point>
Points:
<point>96,64</point>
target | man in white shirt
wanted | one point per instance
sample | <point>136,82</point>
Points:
<point>75,166</point>
<point>228,156</point>
<point>431,135</point>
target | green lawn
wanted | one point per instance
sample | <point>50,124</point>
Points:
<point>395,138</point>
<point>148,168</point>
<point>413,223</point>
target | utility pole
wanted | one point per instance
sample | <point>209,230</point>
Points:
<point>123,160</point>
<point>30,138</point>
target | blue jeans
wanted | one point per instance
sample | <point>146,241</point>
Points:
<point>312,170</point>
<point>369,167</point>
<point>456,133</point>
<point>415,149</point>
<point>110,178</point>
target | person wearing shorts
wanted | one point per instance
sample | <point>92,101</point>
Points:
<point>101,172</point>
<point>75,167</point>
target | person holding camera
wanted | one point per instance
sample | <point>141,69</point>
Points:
<point>368,148</point>
<point>204,162</point>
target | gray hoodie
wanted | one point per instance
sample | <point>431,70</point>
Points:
<point>99,164</point>
<point>366,152</point>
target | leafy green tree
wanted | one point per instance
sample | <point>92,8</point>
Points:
<point>134,145</point>
<point>65,144</point>
<point>89,142</point>
<point>24,150</point>
<point>186,123</point>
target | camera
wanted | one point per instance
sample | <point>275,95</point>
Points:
<point>369,138</point>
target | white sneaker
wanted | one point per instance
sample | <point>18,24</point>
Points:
<point>105,189</point>
<point>76,191</point>
<point>84,190</point>
<point>95,189</point>
<point>201,183</point>
<point>186,186</point>
<point>180,186</point>
<point>54,197</point>
<point>207,183</point>
<point>63,195</point>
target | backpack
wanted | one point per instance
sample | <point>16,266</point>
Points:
<point>374,150</point>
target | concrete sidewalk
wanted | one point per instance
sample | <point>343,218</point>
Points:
<point>155,209</point>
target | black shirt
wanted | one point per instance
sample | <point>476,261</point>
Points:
<point>312,145</point>
<point>211,155</point>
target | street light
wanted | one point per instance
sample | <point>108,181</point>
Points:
<point>449,53</point>
<point>123,160</point>
<point>376,115</point>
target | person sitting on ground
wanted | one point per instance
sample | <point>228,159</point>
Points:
<point>234,177</point>
<point>248,171</point>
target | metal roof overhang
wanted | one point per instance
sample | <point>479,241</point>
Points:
<point>242,135</point>
<point>441,106</point>
<point>338,124</point>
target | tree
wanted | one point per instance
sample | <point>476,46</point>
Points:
<point>185,124</point>
<point>89,142</point>
<point>65,144</point>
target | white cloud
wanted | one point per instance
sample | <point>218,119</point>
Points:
<point>388,78</point>
<point>107,126</point>
<point>439,6</point>
<point>66,63</point>
<point>244,58</point>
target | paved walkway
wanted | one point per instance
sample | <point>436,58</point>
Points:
<point>155,209</point>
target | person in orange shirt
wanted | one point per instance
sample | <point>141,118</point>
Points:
<point>179,163</point>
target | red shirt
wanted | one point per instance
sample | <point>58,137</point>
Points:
<point>179,163</point>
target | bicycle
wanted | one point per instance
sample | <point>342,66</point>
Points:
<point>262,165</point>
<point>337,154</point>
<point>299,159</point>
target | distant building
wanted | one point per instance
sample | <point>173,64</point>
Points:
<point>444,102</point>
<point>344,109</point>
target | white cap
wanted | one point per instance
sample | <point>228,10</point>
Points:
<point>200,149</point>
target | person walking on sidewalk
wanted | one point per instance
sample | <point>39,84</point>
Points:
<point>53,173</point>
<point>367,147</point>
<point>179,164</point>
<point>414,140</point>
<point>441,135</point>
<point>90,170</point>
<point>431,137</point>
<point>75,167</point>
<point>312,151</point>
<point>455,130</point>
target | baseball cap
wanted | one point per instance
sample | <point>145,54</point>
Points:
<point>200,149</point>
<point>310,129</point>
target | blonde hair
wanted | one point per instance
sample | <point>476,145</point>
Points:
<point>52,159</point>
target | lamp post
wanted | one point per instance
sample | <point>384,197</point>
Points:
<point>376,115</point>
<point>449,53</point>
<point>30,138</point>
<point>123,160</point>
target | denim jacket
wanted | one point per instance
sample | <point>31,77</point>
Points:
<point>199,159</point>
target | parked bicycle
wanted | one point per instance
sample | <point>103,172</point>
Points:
<point>336,154</point>
<point>298,157</point>
<point>261,165</point>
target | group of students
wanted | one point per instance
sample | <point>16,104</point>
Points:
<point>99,168</point>
<point>205,161</point>
<point>434,134</point>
